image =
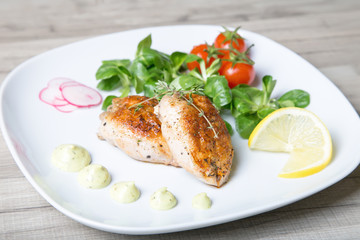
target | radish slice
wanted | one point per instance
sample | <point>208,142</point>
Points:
<point>56,82</point>
<point>66,84</point>
<point>66,108</point>
<point>81,95</point>
<point>67,95</point>
<point>52,96</point>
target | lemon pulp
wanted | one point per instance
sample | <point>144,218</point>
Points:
<point>296,131</point>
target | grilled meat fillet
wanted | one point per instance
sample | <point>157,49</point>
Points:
<point>135,130</point>
<point>192,142</point>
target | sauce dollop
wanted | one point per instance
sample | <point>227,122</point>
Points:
<point>162,199</point>
<point>94,176</point>
<point>201,201</point>
<point>124,192</point>
<point>70,157</point>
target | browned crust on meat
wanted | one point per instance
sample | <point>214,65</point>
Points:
<point>135,129</point>
<point>141,119</point>
<point>212,155</point>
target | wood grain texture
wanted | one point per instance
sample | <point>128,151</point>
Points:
<point>326,33</point>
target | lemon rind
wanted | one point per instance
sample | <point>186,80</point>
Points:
<point>309,170</point>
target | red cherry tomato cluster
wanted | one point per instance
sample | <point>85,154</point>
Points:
<point>230,47</point>
<point>200,51</point>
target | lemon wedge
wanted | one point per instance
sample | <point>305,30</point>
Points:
<point>296,131</point>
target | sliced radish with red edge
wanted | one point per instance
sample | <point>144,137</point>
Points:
<point>56,82</point>
<point>69,84</point>
<point>67,95</point>
<point>52,96</point>
<point>66,108</point>
<point>81,95</point>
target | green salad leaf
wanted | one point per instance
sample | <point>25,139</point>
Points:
<point>217,89</point>
<point>295,98</point>
<point>250,105</point>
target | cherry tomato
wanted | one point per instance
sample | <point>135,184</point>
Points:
<point>199,50</point>
<point>240,73</point>
<point>227,39</point>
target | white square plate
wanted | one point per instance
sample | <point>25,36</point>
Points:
<point>33,129</point>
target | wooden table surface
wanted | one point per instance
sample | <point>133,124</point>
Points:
<point>326,33</point>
